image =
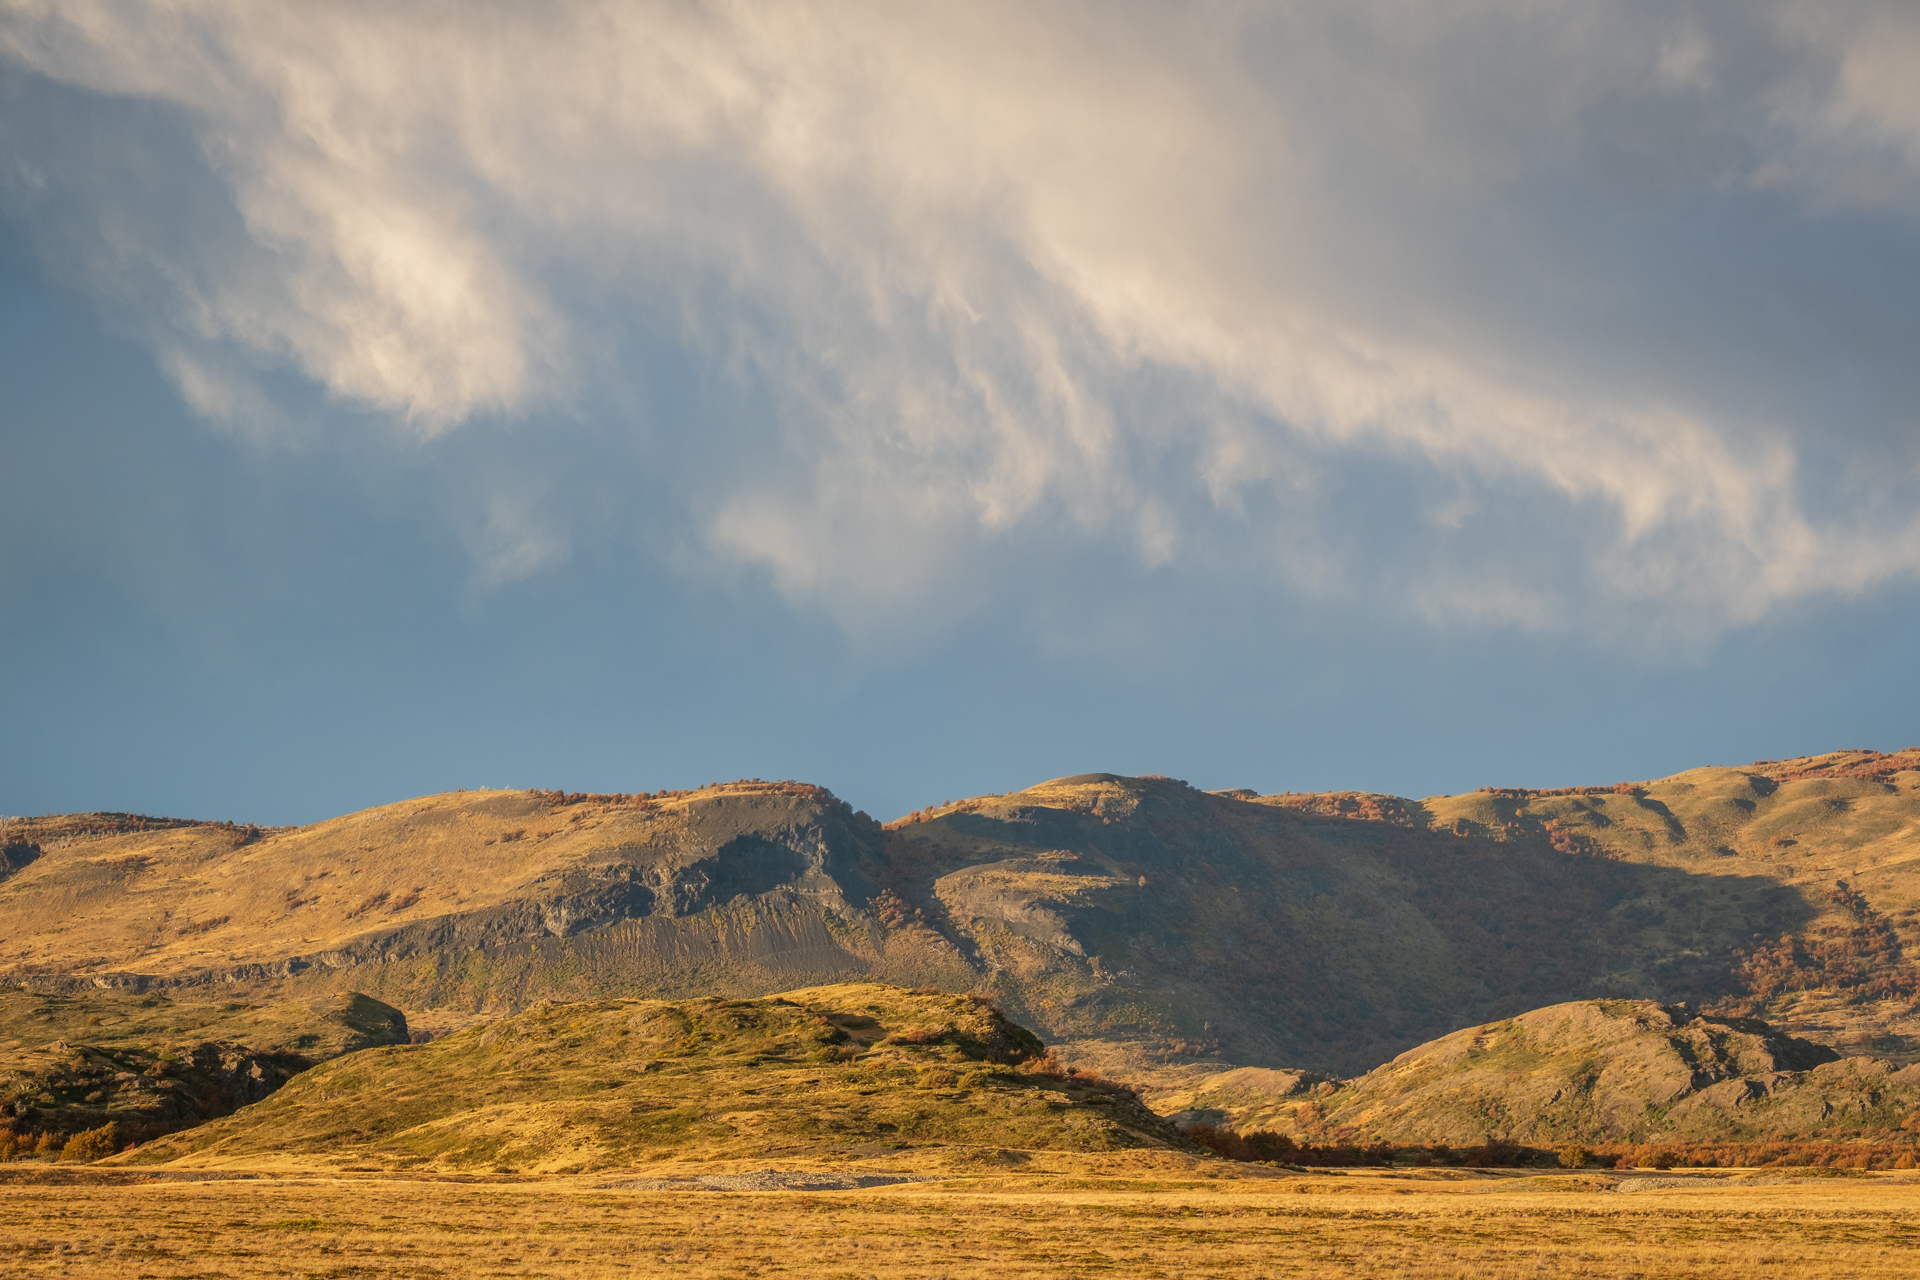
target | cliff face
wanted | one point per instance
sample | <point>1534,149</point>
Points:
<point>1150,925</point>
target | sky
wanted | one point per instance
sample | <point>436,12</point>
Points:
<point>928,400</point>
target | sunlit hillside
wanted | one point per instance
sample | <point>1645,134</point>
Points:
<point>842,1071</point>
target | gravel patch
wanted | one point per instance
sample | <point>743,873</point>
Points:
<point>1793,1178</point>
<point>765,1180</point>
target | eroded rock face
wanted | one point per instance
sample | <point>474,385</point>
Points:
<point>1029,898</point>
<point>755,854</point>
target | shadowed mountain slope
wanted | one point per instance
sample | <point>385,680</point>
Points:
<point>1193,926</point>
<point>1840,831</point>
<point>1588,1071</point>
<point>851,1070</point>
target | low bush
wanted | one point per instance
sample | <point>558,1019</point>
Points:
<point>91,1144</point>
<point>835,1053</point>
<point>1760,1155</point>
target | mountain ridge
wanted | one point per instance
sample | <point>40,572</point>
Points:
<point>1147,927</point>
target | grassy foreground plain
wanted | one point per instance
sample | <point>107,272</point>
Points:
<point>1131,1214</point>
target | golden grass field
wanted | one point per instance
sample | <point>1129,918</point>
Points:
<point>1124,1214</point>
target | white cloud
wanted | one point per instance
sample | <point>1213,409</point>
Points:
<point>1010,278</point>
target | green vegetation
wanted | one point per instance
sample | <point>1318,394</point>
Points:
<point>829,1072</point>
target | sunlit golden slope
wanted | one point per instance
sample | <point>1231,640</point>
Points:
<point>173,899</point>
<point>465,903</point>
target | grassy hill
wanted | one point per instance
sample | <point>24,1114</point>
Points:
<point>1153,929</point>
<point>840,1071</point>
<point>1588,1071</point>
<point>148,1064</point>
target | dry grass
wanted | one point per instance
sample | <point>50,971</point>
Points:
<point>1212,1222</point>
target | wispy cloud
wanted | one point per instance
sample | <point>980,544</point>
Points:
<point>1498,314</point>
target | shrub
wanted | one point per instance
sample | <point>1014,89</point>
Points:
<point>8,1147</point>
<point>1574,1157</point>
<point>835,1053</point>
<point>47,1145</point>
<point>1753,1155</point>
<point>1258,1145</point>
<point>1047,1064</point>
<point>90,1144</point>
<point>825,1032</point>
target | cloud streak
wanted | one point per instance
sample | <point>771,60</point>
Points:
<point>1503,315</point>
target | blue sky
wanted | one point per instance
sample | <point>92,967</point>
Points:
<point>926,401</point>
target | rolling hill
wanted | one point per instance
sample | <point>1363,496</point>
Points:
<point>838,1072</point>
<point>1153,930</point>
<point>1587,1071</point>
